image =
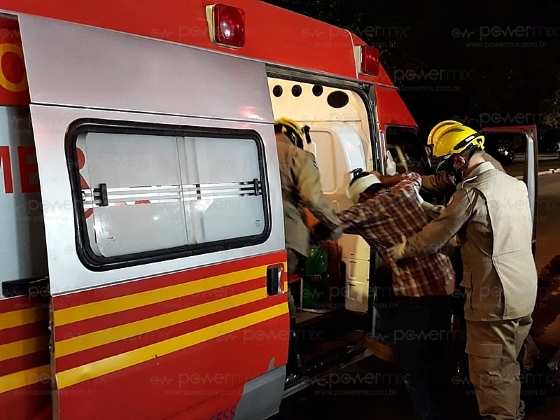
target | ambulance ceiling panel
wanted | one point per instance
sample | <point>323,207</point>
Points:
<point>75,65</point>
<point>308,102</point>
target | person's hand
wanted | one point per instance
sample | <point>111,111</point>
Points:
<point>397,251</point>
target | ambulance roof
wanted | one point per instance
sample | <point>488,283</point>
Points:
<point>273,35</point>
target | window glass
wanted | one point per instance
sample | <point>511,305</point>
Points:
<point>146,193</point>
<point>142,177</point>
<point>228,206</point>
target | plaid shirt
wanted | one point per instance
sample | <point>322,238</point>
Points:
<point>383,220</point>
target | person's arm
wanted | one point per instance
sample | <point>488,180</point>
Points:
<point>439,232</point>
<point>438,183</point>
<point>415,181</point>
<point>354,219</point>
<point>391,180</point>
<point>406,182</point>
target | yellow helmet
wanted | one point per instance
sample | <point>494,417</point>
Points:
<point>295,132</point>
<point>452,137</point>
<point>437,128</point>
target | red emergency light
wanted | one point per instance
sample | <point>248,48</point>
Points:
<point>227,25</point>
<point>370,60</point>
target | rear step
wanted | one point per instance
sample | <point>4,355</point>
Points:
<point>296,383</point>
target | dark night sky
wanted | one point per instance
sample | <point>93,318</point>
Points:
<point>486,63</point>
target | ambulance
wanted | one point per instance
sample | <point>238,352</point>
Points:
<point>142,253</point>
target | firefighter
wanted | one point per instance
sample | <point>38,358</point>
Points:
<point>301,189</point>
<point>301,192</point>
<point>490,214</point>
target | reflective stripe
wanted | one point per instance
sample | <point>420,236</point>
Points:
<point>21,317</point>
<point>122,303</point>
<point>121,361</point>
<point>22,347</point>
<point>121,332</point>
<point>24,378</point>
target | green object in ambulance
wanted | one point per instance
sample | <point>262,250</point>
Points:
<point>315,286</point>
<point>317,262</point>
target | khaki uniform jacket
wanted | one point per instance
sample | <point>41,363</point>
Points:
<point>301,188</point>
<point>491,216</point>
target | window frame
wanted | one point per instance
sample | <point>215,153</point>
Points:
<point>84,250</point>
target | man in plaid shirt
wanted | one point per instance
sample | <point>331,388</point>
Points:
<point>382,218</point>
<point>415,315</point>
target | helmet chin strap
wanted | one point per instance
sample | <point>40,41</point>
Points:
<point>459,171</point>
<point>466,157</point>
<point>450,166</point>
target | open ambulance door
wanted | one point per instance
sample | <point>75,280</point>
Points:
<point>163,222</point>
<point>515,147</point>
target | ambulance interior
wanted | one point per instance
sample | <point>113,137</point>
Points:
<point>333,299</point>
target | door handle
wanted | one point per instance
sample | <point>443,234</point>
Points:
<point>274,279</point>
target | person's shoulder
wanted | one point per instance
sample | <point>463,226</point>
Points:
<point>284,147</point>
<point>305,153</point>
<point>506,178</point>
<point>371,206</point>
<point>304,156</point>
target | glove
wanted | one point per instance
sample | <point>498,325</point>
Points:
<point>397,251</point>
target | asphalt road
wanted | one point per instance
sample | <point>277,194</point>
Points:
<point>372,389</point>
<point>548,218</point>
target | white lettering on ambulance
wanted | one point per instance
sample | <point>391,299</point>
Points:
<point>28,171</point>
<point>6,166</point>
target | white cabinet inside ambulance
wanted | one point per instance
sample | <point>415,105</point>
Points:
<point>146,277</point>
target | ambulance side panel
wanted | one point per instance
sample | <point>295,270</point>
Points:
<point>164,226</point>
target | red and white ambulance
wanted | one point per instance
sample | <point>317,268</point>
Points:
<point>145,278</point>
